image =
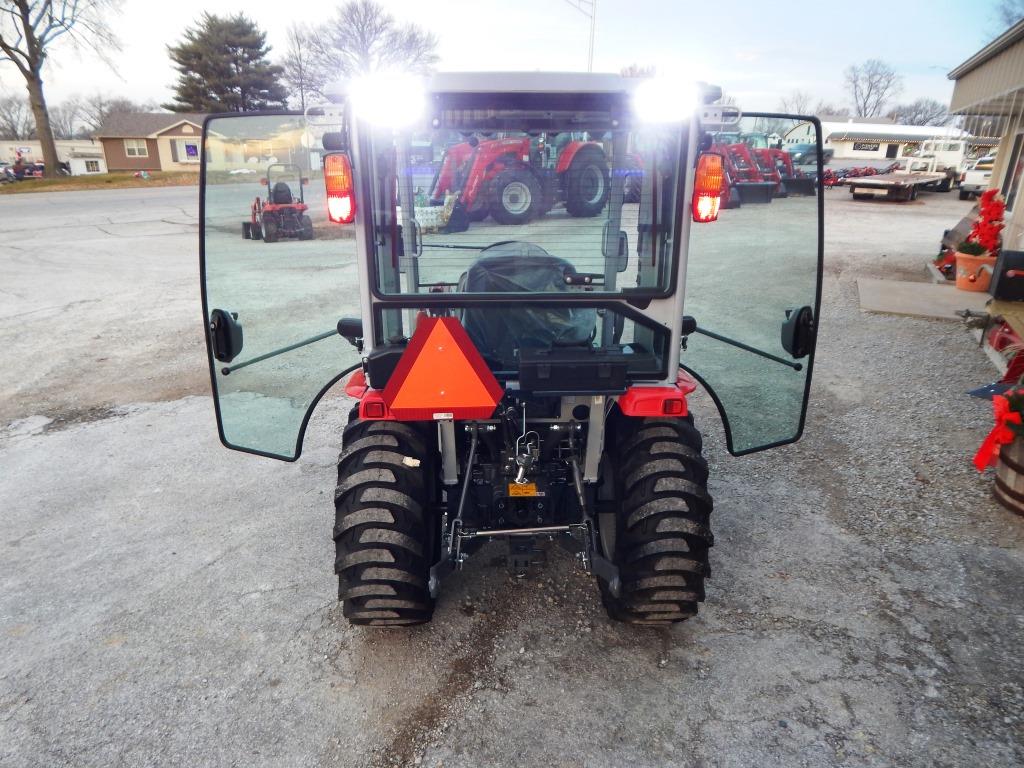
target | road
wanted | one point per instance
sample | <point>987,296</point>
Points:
<point>164,601</point>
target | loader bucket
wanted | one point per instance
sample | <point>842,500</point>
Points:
<point>756,191</point>
<point>800,185</point>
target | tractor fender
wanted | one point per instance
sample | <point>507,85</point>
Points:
<point>571,150</point>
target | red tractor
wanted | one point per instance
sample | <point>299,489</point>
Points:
<point>742,181</point>
<point>281,214</point>
<point>777,166</point>
<point>517,179</point>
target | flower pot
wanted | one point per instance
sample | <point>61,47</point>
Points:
<point>1009,487</point>
<point>973,273</point>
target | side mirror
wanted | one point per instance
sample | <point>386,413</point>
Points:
<point>798,332</point>
<point>225,335</point>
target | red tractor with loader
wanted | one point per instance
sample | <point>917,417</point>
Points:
<point>516,179</point>
<point>523,389</point>
<point>282,214</point>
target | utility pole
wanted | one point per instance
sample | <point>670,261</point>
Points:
<point>589,9</point>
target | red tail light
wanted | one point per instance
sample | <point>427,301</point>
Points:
<point>707,188</point>
<point>341,200</point>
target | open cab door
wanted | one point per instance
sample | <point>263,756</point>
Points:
<point>753,289</point>
<point>277,277</point>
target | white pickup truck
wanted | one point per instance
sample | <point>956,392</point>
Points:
<point>977,179</point>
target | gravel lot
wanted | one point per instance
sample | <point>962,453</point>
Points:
<point>164,601</point>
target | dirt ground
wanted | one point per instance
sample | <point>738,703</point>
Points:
<point>164,601</point>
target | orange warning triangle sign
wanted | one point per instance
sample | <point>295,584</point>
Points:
<point>441,375</point>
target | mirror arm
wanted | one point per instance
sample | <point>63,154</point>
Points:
<point>740,345</point>
<point>227,369</point>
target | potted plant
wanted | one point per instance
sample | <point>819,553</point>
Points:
<point>976,256</point>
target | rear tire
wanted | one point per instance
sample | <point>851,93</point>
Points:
<point>306,232</point>
<point>965,195</point>
<point>385,534</point>
<point>269,231</point>
<point>662,531</point>
<point>515,196</point>
<point>587,183</point>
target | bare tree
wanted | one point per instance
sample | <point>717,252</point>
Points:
<point>301,75</point>
<point>96,109</point>
<point>638,70</point>
<point>364,37</point>
<point>871,85</point>
<point>28,29</point>
<point>15,117</point>
<point>796,103</point>
<point>828,108</point>
<point>66,118</point>
<point>921,112</point>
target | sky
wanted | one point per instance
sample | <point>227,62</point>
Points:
<point>757,51</point>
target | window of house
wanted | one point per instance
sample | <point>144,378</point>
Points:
<point>136,148</point>
<point>92,166</point>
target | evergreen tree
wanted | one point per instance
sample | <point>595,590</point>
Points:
<point>223,67</point>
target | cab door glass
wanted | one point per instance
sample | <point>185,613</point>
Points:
<point>276,275</point>
<point>754,277</point>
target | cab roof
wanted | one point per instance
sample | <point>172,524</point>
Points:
<point>530,82</point>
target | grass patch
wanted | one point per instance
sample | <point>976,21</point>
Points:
<point>123,180</point>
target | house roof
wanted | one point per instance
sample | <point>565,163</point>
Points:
<point>139,125</point>
<point>849,131</point>
<point>990,51</point>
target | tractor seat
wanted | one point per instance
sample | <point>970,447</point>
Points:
<point>517,267</point>
<point>282,194</point>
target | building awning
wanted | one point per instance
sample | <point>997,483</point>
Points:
<point>885,138</point>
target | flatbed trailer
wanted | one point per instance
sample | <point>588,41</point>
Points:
<point>896,186</point>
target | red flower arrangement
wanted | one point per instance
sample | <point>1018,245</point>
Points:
<point>1008,408</point>
<point>985,232</point>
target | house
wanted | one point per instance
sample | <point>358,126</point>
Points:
<point>855,139</point>
<point>989,93</point>
<point>151,141</point>
<point>84,162</point>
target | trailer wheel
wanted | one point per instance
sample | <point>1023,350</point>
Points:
<point>861,195</point>
<point>661,533</point>
<point>965,195</point>
<point>246,230</point>
<point>586,183</point>
<point>515,196</point>
<point>385,532</point>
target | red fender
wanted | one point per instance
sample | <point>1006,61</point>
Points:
<point>569,152</point>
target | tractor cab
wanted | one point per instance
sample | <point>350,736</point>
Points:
<point>518,284</point>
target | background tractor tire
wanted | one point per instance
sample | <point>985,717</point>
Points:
<point>306,232</point>
<point>587,183</point>
<point>269,231</point>
<point>515,196</point>
<point>662,523</point>
<point>385,534</point>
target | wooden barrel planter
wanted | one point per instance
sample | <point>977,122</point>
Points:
<point>1009,487</point>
